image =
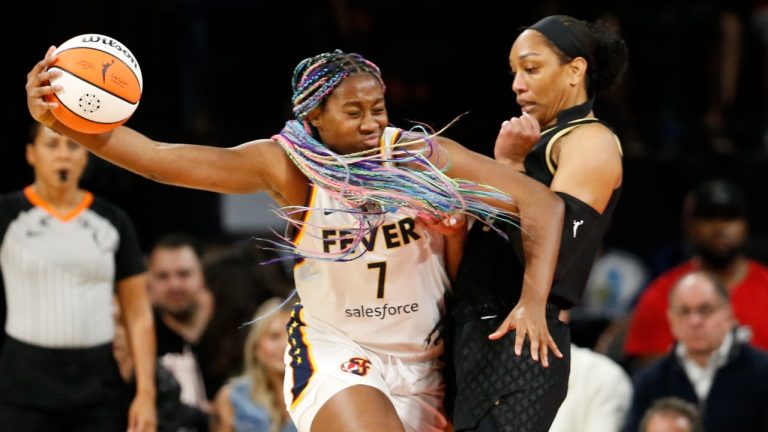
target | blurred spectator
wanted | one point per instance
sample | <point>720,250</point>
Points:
<point>671,414</point>
<point>183,306</point>
<point>616,279</point>
<point>599,392</point>
<point>715,219</point>
<point>172,414</point>
<point>254,402</point>
<point>709,366</point>
<point>239,281</point>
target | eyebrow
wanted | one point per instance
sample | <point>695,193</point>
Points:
<point>360,102</point>
<point>526,55</point>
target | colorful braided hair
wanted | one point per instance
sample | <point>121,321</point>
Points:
<point>315,78</point>
<point>370,183</point>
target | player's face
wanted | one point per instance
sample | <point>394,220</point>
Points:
<point>176,281</point>
<point>353,117</point>
<point>698,317</point>
<point>271,345</point>
<point>540,80</point>
<point>58,161</point>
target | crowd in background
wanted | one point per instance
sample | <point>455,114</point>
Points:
<point>692,107</point>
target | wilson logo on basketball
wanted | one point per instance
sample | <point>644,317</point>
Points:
<point>95,39</point>
<point>84,103</point>
<point>356,365</point>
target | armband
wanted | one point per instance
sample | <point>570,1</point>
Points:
<point>583,230</point>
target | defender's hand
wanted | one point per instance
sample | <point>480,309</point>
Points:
<point>516,138</point>
<point>530,320</point>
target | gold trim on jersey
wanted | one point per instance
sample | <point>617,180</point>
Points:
<point>304,220</point>
<point>570,122</point>
<point>560,134</point>
<point>306,215</point>
<point>385,145</point>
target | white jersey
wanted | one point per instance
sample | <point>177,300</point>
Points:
<point>60,271</point>
<point>388,300</point>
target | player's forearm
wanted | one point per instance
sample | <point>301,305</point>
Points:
<point>541,221</point>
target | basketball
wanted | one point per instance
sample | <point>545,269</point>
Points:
<point>101,83</point>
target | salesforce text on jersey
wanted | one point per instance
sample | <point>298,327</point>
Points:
<point>381,312</point>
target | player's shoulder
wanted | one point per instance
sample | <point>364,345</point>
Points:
<point>596,133</point>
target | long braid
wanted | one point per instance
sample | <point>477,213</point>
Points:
<point>316,77</point>
<point>368,183</point>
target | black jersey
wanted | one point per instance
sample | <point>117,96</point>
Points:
<point>490,276</point>
<point>490,382</point>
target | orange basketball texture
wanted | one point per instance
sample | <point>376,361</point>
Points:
<point>101,83</point>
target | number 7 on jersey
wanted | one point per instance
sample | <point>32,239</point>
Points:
<point>382,266</point>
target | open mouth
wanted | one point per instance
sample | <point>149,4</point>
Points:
<point>63,174</point>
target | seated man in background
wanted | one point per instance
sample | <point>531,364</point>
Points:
<point>183,307</point>
<point>715,220</point>
<point>708,366</point>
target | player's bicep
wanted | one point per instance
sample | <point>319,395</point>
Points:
<point>589,168</point>
<point>254,166</point>
<point>258,166</point>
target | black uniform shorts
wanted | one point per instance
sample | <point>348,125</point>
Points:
<point>496,390</point>
<point>52,390</point>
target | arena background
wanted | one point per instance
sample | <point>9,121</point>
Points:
<point>218,72</point>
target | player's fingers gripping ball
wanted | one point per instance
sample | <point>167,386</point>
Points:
<point>100,83</point>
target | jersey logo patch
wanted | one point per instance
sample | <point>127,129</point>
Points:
<point>356,365</point>
<point>576,225</point>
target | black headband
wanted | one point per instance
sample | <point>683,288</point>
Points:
<point>565,39</point>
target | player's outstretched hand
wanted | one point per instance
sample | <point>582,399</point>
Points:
<point>38,86</point>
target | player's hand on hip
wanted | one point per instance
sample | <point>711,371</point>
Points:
<point>529,320</point>
<point>38,86</point>
<point>516,138</point>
